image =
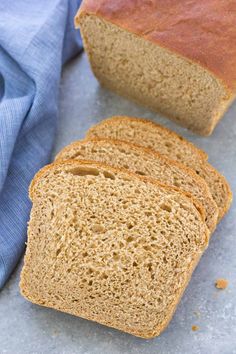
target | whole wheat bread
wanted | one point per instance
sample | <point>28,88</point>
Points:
<point>110,246</point>
<point>149,134</point>
<point>167,55</point>
<point>145,162</point>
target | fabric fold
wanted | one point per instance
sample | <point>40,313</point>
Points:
<point>36,39</point>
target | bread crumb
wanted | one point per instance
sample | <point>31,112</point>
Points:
<point>195,328</point>
<point>221,283</point>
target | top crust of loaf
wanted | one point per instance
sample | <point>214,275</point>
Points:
<point>186,28</point>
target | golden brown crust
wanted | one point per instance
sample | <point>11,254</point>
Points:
<point>201,154</point>
<point>203,32</point>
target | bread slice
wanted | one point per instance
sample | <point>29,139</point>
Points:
<point>110,246</point>
<point>167,55</point>
<point>145,162</point>
<point>149,134</point>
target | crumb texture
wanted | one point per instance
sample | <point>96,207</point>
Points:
<point>147,163</point>
<point>153,76</point>
<point>148,134</point>
<point>187,28</point>
<point>110,246</point>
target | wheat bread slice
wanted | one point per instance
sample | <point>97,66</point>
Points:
<point>145,162</point>
<point>110,246</point>
<point>149,134</point>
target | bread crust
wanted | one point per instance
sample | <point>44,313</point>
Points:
<point>203,32</point>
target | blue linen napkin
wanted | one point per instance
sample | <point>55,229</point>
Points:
<point>36,39</point>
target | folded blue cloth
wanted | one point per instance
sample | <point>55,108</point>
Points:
<point>36,39</point>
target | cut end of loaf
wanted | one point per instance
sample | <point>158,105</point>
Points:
<point>110,246</point>
<point>153,75</point>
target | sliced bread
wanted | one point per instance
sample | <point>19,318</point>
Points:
<point>145,162</point>
<point>149,134</point>
<point>110,246</point>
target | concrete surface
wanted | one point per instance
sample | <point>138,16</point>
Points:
<point>27,328</point>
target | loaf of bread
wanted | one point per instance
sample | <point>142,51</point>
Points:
<point>151,135</point>
<point>145,162</point>
<point>176,57</point>
<point>110,246</point>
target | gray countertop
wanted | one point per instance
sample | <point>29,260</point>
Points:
<point>27,328</point>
